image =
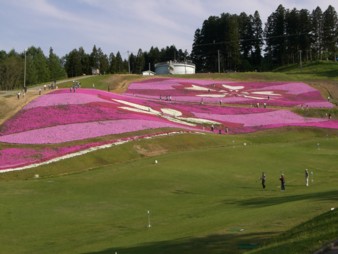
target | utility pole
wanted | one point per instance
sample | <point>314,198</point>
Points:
<point>219,62</point>
<point>24,72</point>
<point>300,58</point>
<point>128,62</point>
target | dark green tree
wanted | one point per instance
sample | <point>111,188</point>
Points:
<point>31,71</point>
<point>120,66</point>
<point>99,60</point>
<point>258,41</point>
<point>73,64</point>
<point>37,66</point>
<point>139,62</point>
<point>112,63</point>
<point>275,37</point>
<point>330,32</point>
<point>85,62</point>
<point>11,70</point>
<point>292,34</point>
<point>94,58</point>
<point>305,34</point>
<point>104,62</point>
<point>212,36</point>
<point>317,33</point>
<point>197,53</point>
<point>233,40</point>
<point>55,66</point>
<point>132,62</point>
<point>154,57</point>
<point>246,35</point>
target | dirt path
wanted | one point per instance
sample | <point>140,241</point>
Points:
<point>10,104</point>
<point>119,83</point>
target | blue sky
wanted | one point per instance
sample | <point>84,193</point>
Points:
<point>120,25</point>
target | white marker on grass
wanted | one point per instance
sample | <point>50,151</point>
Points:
<point>149,225</point>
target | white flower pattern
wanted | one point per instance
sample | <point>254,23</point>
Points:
<point>234,91</point>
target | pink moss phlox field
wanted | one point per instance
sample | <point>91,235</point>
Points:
<point>49,116</point>
<point>73,132</point>
<point>57,113</point>
<point>16,157</point>
<point>281,117</point>
<point>59,99</point>
<point>284,94</point>
<point>63,116</point>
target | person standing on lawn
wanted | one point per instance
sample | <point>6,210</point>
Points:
<point>282,182</point>
<point>306,177</point>
<point>263,179</point>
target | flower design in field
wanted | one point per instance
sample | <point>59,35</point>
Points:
<point>223,90</point>
<point>172,115</point>
<point>61,117</point>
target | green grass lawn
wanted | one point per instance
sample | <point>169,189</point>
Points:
<point>204,195</point>
<point>306,237</point>
<point>88,82</point>
<point>310,72</point>
<point>102,82</point>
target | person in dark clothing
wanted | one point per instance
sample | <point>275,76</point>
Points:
<point>263,179</point>
<point>282,182</point>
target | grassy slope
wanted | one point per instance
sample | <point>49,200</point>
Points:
<point>204,190</point>
<point>306,237</point>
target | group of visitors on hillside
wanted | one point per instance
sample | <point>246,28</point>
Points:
<point>282,180</point>
<point>75,85</point>
<point>213,128</point>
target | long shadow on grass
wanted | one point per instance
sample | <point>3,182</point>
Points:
<point>213,244</point>
<point>261,201</point>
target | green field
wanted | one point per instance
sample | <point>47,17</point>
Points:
<point>203,196</point>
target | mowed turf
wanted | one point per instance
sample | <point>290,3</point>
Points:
<point>203,196</point>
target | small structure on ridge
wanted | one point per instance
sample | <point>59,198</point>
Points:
<point>174,67</point>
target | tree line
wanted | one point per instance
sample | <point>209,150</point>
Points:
<point>240,43</point>
<point>78,62</point>
<point>228,42</point>
<point>33,67</point>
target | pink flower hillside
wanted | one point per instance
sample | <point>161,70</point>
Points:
<point>277,117</point>
<point>73,132</point>
<point>189,105</point>
<point>214,91</point>
<point>15,157</point>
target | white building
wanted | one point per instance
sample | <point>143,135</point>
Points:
<point>148,73</point>
<point>173,67</point>
<point>95,71</point>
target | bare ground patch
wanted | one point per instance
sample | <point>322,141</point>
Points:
<point>119,83</point>
<point>150,150</point>
<point>329,88</point>
<point>10,104</point>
